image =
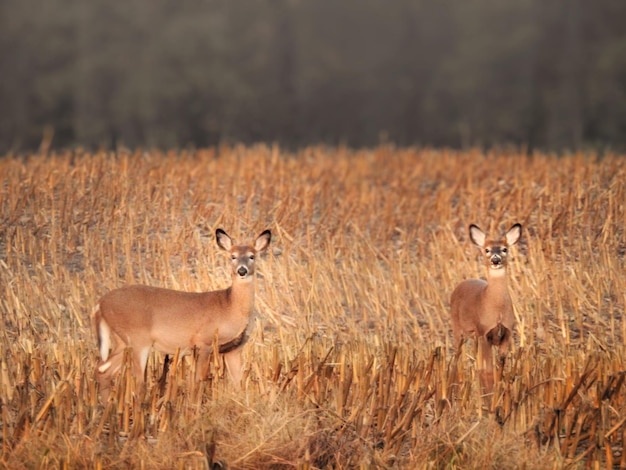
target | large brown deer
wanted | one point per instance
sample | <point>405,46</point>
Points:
<point>483,309</point>
<point>143,317</point>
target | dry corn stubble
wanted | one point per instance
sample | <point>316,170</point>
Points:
<point>351,362</point>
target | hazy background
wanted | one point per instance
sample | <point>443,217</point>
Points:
<point>170,73</point>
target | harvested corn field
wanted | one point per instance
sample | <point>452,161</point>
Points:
<point>351,363</point>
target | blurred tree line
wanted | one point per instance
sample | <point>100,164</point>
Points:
<point>548,74</point>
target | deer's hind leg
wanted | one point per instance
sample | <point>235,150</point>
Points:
<point>106,370</point>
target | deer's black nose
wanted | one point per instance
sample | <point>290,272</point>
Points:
<point>496,260</point>
<point>242,271</point>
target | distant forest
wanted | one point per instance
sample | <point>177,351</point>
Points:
<point>175,73</point>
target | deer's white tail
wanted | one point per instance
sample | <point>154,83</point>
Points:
<point>103,332</point>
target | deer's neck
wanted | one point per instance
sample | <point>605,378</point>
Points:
<point>496,292</point>
<point>497,276</point>
<point>241,297</point>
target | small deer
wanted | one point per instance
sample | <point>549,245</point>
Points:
<point>483,309</point>
<point>143,317</point>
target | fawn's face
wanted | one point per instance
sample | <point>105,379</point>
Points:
<point>495,251</point>
<point>243,256</point>
<point>242,259</point>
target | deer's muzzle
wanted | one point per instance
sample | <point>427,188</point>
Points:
<point>496,261</point>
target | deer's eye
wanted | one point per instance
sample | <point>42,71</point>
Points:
<point>233,257</point>
<point>487,251</point>
<point>504,250</point>
<point>251,257</point>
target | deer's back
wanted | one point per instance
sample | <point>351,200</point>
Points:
<point>139,307</point>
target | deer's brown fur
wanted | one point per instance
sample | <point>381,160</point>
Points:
<point>483,309</point>
<point>144,317</point>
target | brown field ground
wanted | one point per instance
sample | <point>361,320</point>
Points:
<point>351,363</point>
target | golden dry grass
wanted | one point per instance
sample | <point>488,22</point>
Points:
<point>351,363</point>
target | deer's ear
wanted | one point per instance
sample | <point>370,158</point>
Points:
<point>514,234</point>
<point>223,240</point>
<point>263,240</point>
<point>477,235</point>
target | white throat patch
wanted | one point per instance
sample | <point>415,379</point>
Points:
<point>499,272</point>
